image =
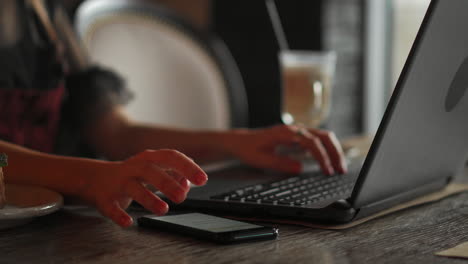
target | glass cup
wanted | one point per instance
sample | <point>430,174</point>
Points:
<point>307,79</point>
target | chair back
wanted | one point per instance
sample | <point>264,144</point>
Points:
<point>181,77</point>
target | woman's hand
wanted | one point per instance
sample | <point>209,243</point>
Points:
<point>259,148</point>
<point>112,189</point>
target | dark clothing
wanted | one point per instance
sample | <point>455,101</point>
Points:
<point>42,107</point>
<point>30,117</point>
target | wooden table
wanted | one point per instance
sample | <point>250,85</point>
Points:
<point>80,235</point>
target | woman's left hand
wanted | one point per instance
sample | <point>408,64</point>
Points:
<point>259,148</point>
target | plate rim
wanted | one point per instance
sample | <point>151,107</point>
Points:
<point>32,211</point>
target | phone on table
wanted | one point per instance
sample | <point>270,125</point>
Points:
<point>208,227</point>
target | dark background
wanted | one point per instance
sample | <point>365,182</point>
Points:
<point>336,25</point>
<point>246,28</point>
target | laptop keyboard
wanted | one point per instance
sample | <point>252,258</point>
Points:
<point>301,190</point>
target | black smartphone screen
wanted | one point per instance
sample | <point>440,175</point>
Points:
<point>209,227</point>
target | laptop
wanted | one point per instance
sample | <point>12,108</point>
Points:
<point>420,145</point>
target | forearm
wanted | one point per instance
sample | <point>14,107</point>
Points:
<point>63,174</point>
<point>117,137</point>
<point>202,146</point>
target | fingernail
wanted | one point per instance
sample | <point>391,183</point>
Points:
<point>201,178</point>
<point>161,208</point>
<point>184,183</point>
<point>330,171</point>
<point>179,196</point>
<point>343,170</point>
<point>126,221</point>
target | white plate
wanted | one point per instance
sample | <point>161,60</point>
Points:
<point>24,203</point>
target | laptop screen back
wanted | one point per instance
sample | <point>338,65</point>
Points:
<point>424,133</point>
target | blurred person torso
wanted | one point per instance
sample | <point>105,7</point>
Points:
<point>31,78</point>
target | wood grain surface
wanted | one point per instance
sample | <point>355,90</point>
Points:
<point>81,235</point>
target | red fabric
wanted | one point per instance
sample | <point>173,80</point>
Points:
<point>30,117</point>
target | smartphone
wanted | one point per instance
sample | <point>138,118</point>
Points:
<point>208,227</point>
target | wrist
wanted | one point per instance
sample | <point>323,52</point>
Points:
<point>88,172</point>
<point>230,140</point>
<point>73,176</point>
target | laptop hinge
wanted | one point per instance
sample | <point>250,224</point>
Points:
<point>402,197</point>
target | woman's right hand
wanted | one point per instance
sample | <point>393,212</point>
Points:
<point>116,184</point>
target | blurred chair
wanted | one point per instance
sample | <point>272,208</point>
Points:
<point>181,77</point>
